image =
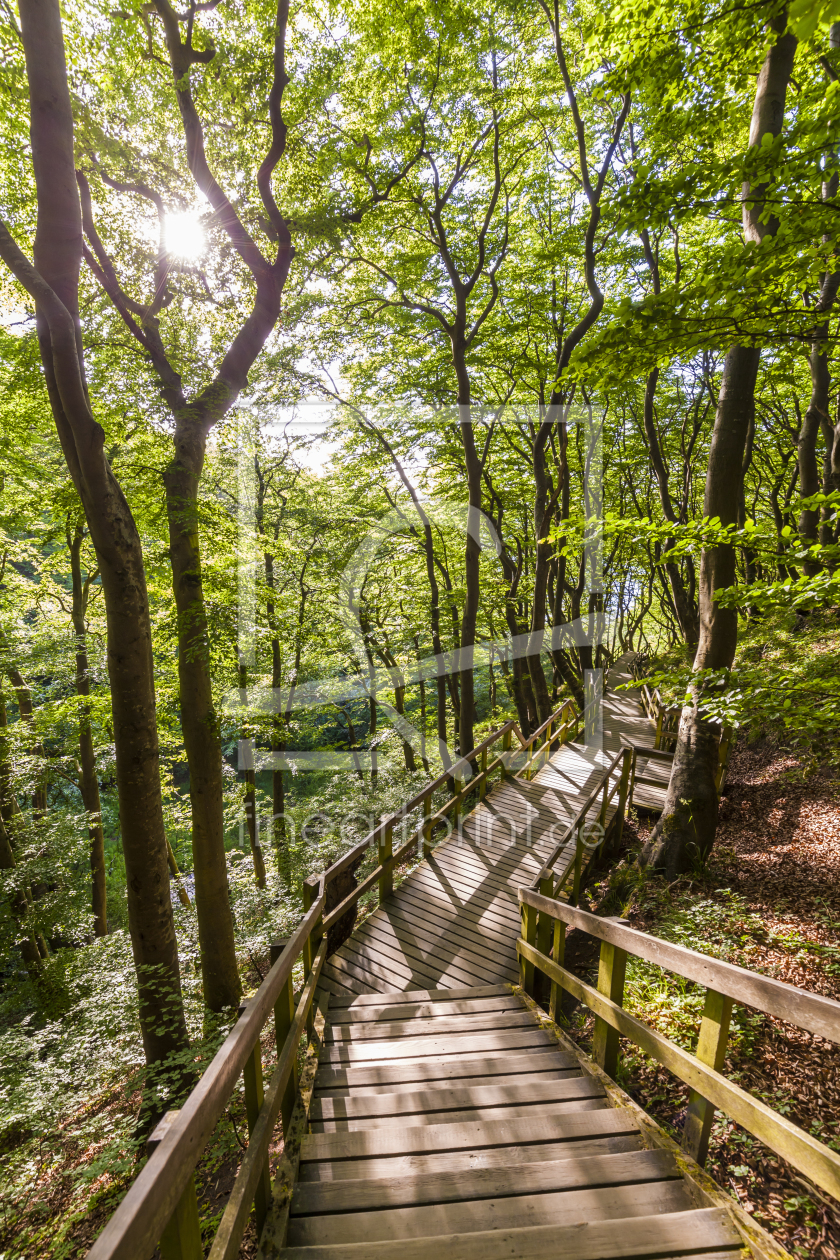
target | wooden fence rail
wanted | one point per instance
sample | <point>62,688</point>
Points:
<point>725,984</point>
<point>161,1207</point>
<point>667,719</point>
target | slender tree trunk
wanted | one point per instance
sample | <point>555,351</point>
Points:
<point>683,606</point>
<point>200,724</point>
<point>250,801</point>
<point>472,553</point>
<point>89,781</point>
<point>685,833</point>
<point>53,283</point>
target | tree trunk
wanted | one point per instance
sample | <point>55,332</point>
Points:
<point>200,724</point>
<point>53,283</point>
<point>89,781</point>
<point>250,800</point>
<point>685,833</point>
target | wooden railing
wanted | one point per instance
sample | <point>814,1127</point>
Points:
<point>161,1207</point>
<point>667,720</point>
<point>544,918</point>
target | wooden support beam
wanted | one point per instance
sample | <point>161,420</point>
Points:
<point>386,879</point>
<point>181,1238</point>
<point>253,1078</point>
<point>711,1049</point>
<point>612,968</point>
<point>284,1014</point>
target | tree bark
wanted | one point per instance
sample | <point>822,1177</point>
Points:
<point>53,283</point>
<point>89,781</point>
<point>200,724</point>
<point>684,835</point>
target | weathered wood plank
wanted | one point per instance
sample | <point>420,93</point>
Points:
<point>558,1208</point>
<point>317,1198</point>
<point>421,995</point>
<point>407,1167</point>
<point>445,1047</point>
<point>397,1075</point>
<point>453,1137</point>
<point>456,1098</point>
<point>434,1118</point>
<point>480,1021</point>
<point>667,1235</point>
<point>394,1012</point>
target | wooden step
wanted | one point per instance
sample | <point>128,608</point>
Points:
<point>532,1130</point>
<point>383,1107</point>
<point>445,1048</point>
<point>573,1173</point>
<point>557,1208</point>
<point>387,1077</point>
<point>395,1012</point>
<point>704,1233</point>
<point>417,995</point>
<point>478,1021</point>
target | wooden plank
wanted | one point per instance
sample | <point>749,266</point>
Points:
<point>453,1137</point>
<point>424,1010</point>
<point>353,973</point>
<point>385,958</point>
<point>422,1047</point>
<point>811,1011</point>
<point>407,1167</point>
<point>395,1075</point>
<point>315,1198</point>
<point>456,1098</point>
<point>467,1082</point>
<point>385,973</point>
<point>666,1235</point>
<point>558,1208</point>
<point>421,995</point>
<point>435,1118</point>
<point>799,1148</point>
<point>419,943</point>
<point>413,908</point>
<point>515,1017</point>
<point>464,893</point>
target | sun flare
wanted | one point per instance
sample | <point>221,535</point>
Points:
<point>183,236</point>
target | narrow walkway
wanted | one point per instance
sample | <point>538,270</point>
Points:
<point>452,1124</point>
<point>453,922</point>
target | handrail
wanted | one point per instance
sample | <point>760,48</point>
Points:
<point>603,779</point>
<point>810,1011</point>
<point>725,984</point>
<point>142,1217</point>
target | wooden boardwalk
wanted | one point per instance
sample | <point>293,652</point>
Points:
<point>453,922</point>
<point>451,1124</point>
<point>445,1119</point>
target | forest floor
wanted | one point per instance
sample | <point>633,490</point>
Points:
<point>768,900</point>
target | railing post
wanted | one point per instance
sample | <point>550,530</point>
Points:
<point>528,916</point>
<point>611,972</point>
<point>427,829</point>
<point>622,796</point>
<point>711,1050</point>
<point>386,848</point>
<point>657,742</point>
<point>632,785</point>
<point>181,1238</point>
<point>545,921</point>
<point>548,738</point>
<point>284,1013</point>
<point>483,788</point>
<point>575,897</point>
<point>253,1078</point>
<point>311,889</point>
<point>559,952</point>
<point>506,742</point>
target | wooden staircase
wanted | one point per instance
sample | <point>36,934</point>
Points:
<point>439,1112</point>
<point>450,1123</point>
